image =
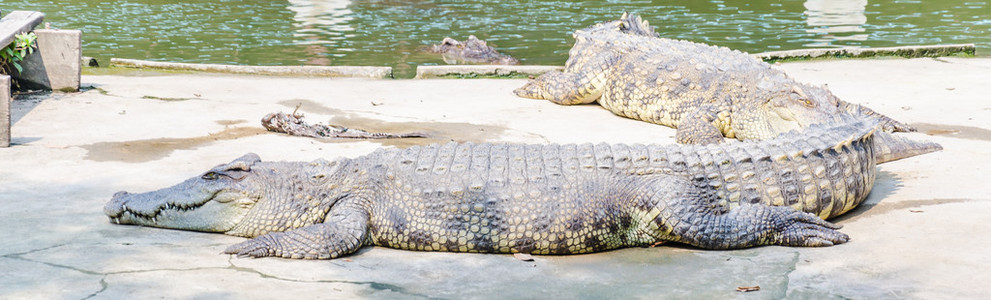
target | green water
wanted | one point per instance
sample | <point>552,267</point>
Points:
<point>388,33</point>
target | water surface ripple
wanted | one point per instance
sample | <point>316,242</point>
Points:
<point>388,33</point>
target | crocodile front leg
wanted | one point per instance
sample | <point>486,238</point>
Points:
<point>342,233</point>
<point>689,211</point>
<point>580,83</point>
<point>698,127</point>
<point>564,88</point>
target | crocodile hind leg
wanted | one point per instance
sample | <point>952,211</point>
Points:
<point>698,127</point>
<point>690,212</point>
<point>341,233</point>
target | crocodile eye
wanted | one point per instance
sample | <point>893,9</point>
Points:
<point>809,103</point>
<point>210,176</point>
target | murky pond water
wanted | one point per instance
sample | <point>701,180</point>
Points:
<point>388,33</point>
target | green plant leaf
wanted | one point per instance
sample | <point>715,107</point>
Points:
<point>22,45</point>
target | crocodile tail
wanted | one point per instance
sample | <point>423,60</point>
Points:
<point>887,123</point>
<point>633,24</point>
<point>890,147</point>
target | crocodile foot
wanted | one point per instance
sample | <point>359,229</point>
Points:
<point>802,229</point>
<point>890,125</point>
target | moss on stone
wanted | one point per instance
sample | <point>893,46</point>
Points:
<point>473,75</point>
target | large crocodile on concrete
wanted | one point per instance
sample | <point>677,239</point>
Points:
<point>706,92</point>
<point>540,199</point>
<point>471,51</point>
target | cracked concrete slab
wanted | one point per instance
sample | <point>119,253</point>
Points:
<point>26,279</point>
<point>231,283</point>
<point>919,234</point>
<point>641,272</point>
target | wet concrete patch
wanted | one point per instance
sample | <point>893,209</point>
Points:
<point>873,209</point>
<point>963,132</point>
<point>231,122</point>
<point>170,99</point>
<point>910,205</point>
<point>437,132</point>
<point>151,149</point>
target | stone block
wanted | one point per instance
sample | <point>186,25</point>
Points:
<point>315,71</point>
<point>18,21</point>
<point>55,63</point>
<point>859,52</point>
<point>5,111</point>
<point>423,72</point>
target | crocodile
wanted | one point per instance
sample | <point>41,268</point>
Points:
<point>293,124</point>
<point>708,93</point>
<point>528,198</point>
<point>472,51</point>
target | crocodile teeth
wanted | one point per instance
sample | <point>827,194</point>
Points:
<point>124,207</point>
<point>117,220</point>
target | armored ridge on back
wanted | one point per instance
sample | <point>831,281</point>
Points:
<point>706,92</point>
<point>541,199</point>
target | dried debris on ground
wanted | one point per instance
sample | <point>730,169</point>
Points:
<point>293,124</point>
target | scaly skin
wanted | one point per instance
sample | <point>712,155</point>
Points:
<point>706,92</point>
<point>472,51</point>
<point>540,199</point>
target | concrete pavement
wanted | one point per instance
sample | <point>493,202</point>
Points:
<point>923,232</point>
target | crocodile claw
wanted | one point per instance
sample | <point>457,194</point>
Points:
<point>256,247</point>
<point>895,126</point>
<point>807,230</point>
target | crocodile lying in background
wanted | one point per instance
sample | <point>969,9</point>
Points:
<point>539,199</point>
<point>471,51</point>
<point>293,124</point>
<point>706,92</point>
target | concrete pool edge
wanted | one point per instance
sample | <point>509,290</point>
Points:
<point>915,51</point>
<point>315,71</point>
<point>523,71</point>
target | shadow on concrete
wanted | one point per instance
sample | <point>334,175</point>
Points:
<point>885,184</point>
<point>955,131</point>
<point>24,102</point>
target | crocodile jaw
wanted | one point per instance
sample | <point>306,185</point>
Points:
<point>190,209</point>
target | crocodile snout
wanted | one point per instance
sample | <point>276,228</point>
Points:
<point>115,207</point>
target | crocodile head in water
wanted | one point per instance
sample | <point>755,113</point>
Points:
<point>237,198</point>
<point>473,51</point>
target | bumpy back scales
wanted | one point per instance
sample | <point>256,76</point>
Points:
<point>706,92</point>
<point>583,198</point>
